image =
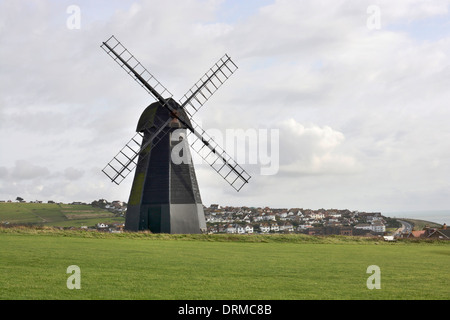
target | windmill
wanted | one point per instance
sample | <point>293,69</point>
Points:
<point>164,196</point>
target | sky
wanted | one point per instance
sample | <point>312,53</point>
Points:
<point>343,104</point>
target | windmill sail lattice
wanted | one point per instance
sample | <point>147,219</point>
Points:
<point>134,68</point>
<point>218,159</point>
<point>126,159</point>
<point>203,89</point>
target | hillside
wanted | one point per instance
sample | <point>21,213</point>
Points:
<point>54,214</point>
<point>420,224</point>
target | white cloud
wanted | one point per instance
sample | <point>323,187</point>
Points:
<point>313,150</point>
<point>73,173</point>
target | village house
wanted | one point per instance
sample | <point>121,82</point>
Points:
<point>303,227</point>
<point>235,228</point>
<point>264,227</point>
<point>240,229</point>
<point>248,228</point>
<point>283,215</point>
<point>274,227</point>
<point>317,215</point>
<point>287,227</point>
<point>102,226</point>
<point>231,228</point>
<point>378,226</point>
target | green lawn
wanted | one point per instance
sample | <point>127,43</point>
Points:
<point>33,266</point>
<point>52,214</point>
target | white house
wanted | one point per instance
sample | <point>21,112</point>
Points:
<point>270,217</point>
<point>231,228</point>
<point>378,226</point>
<point>287,227</point>
<point>240,229</point>
<point>258,218</point>
<point>264,227</point>
<point>274,227</point>
<point>317,216</point>
<point>248,229</point>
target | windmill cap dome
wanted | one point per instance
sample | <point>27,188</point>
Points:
<point>156,110</point>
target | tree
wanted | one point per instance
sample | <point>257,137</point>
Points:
<point>20,199</point>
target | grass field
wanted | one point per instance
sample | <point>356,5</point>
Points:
<point>53,214</point>
<point>33,265</point>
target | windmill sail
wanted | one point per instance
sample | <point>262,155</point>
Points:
<point>217,158</point>
<point>203,89</point>
<point>126,159</point>
<point>135,69</point>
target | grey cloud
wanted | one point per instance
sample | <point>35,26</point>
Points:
<point>25,170</point>
<point>73,173</point>
<point>3,172</point>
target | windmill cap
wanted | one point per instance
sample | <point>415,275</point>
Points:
<point>156,110</point>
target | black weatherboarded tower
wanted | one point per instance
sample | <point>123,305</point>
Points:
<point>165,197</point>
